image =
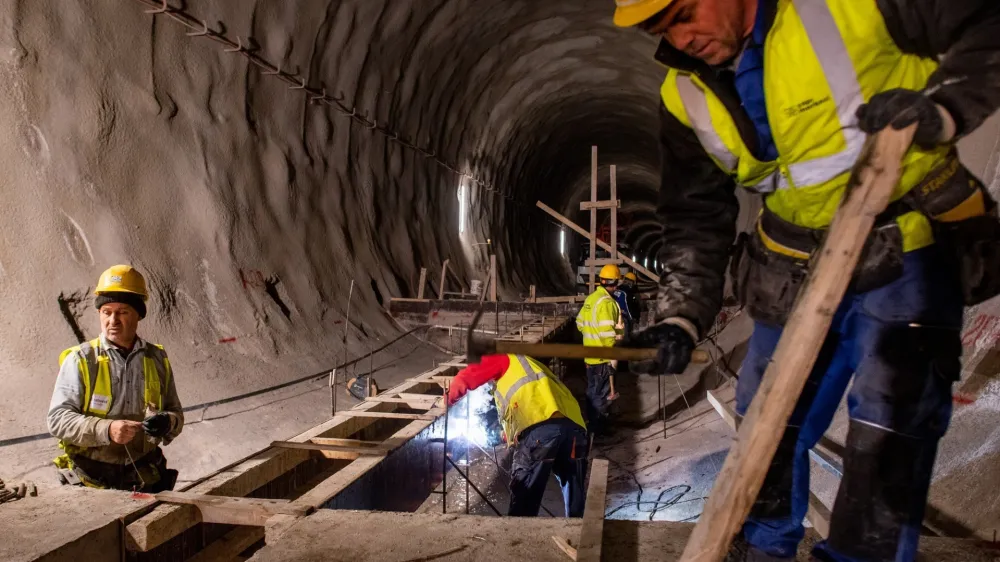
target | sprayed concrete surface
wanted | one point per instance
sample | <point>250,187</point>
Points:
<point>251,211</point>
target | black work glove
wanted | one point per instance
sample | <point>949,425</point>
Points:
<point>902,108</point>
<point>157,425</point>
<point>674,346</point>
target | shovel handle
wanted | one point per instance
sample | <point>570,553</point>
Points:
<point>571,351</point>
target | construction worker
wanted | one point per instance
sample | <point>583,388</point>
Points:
<point>777,96</point>
<point>541,420</point>
<point>627,297</point>
<point>115,401</point>
<point>600,322</point>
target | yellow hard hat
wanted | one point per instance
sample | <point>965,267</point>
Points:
<point>610,272</point>
<point>634,12</point>
<point>631,276</point>
<point>122,279</point>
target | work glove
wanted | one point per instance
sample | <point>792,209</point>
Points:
<point>674,346</point>
<point>901,108</point>
<point>157,425</point>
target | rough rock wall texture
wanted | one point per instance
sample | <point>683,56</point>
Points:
<point>250,210</point>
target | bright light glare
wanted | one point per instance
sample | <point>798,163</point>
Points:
<point>562,242</point>
<point>633,257</point>
<point>461,208</point>
<point>645,262</point>
<point>655,264</point>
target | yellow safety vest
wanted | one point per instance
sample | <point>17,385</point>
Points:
<point>597,320</point>
<point>93,365</point>
<point>822,60</point>
<point>529,393</point>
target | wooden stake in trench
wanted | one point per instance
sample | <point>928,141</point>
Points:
<point>868,191</point>
<point>592,285</point>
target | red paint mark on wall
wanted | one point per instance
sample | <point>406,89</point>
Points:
<point>962,399</point>
<point>984,325</point>
<point>252,278</point>
<point>227,340</point>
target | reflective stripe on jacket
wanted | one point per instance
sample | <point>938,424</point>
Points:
<point>97,385</point>
<point>822,60</point>
<point>529,393</point>
<point>597,321</point>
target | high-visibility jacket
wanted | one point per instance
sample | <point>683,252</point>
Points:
<point>597,321</point>
<point>822,60</point>
<point>94,367</point>
<point>529,393</point>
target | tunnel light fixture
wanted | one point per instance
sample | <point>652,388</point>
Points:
<point>645,262</point>
<point>461,208</point>
<point>655,264</point>
<point>562,242</point>
<point>633,257</point>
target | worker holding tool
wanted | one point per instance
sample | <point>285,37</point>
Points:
<point>777,96</point>
<point>541,420</point>
<point>115,401</point>
<point>600,322</point>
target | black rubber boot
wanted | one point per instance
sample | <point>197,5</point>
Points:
<point>775,497</point>
<point>740,551</point>
<point>886,478</point>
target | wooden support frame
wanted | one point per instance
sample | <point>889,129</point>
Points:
<point>579,230</point>
<point>592,530</point>
<point>444,277</point>
<point>592,285</point>
<point>493,278</point>
<point>421,283</point>
<point>868,191</point>
<point>235,511</point>
<point>594,205</point>
<point>531,293</point>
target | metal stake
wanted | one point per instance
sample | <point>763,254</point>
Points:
<point>333,374</point>
<point>444,457</point>
<point>468,448</point>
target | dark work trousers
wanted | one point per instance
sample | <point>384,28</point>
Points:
<point>901,345</point>
<point>559,446</point>
<point>598,389</point>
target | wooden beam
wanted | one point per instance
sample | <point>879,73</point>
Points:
<point>423,281</point>
<point>311,446</point>
<point>614,215</point>
<point>602,261</point>
<point>234,511</point>
<point>230,545</point>
<point>345,442</point>
<point>531,293</point>
<point>819,515</point>
<point>576,228</point>
<point>403,299</point>
<point>567,298</point>
<point>392,415</point>
<point>610,204</point>
<point>593,219</point>
<point>592,530</point>
<point>444,277</point>
<point>869,188</point>
<point>727,414</point>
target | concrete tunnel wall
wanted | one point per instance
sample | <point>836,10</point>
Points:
<point>250,210</point>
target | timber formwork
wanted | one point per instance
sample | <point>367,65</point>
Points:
<point>375,456</point>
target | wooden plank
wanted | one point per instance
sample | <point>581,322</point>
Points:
<point>868,191</point>
<point>345,442</point>
<point>234,511</point>
<point>420,285</point>
<point>531,293</point>
<point>567,298</point>
<point>312,446</point>
<point>403,299</point>
<point>394,415</point>
<point>493,278</point>
<point>727,413</point>
<point>230,545</point>
<point>602,262</point>
<point>592,530</point>
<point>614,214</point>
<point>593,219</point>
<point>444,276</point>
<point>576,228</point>
<point>610,204</point>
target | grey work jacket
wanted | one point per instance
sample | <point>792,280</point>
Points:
<point>67,421</point>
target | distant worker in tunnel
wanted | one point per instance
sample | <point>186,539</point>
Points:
<point>115,400</point>
<point>627,297</point>
<point>541,420</point>
<point>778,96</point>
<point>601,324</point>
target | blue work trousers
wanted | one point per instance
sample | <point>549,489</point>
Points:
<point>557,446</point>
<point>598,391</point>
<point>901,345</point>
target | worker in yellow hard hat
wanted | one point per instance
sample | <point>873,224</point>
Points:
<point>115,401</point>
<point>779,97</point>
<point>600,323</point>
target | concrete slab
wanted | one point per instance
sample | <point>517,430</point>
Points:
<point>66,523</point>
<point>359,536</point>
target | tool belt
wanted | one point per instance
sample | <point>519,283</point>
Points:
<point>149,474</point>
<point>770,265</point>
